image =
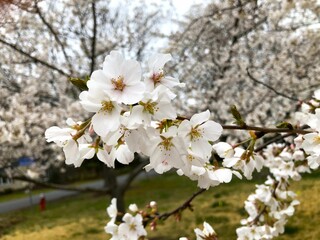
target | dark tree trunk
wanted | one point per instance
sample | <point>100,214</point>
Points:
<point>110,181</point>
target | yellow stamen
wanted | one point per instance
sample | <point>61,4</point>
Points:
<point>166,143</point>
<point>195,133</point>
<point>149,106</point>
<point>118,83</point>
<point>107,106</point>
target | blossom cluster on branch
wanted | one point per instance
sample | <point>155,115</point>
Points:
<point>132,116</point>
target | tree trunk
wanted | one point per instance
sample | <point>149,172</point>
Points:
<point>110,181</point>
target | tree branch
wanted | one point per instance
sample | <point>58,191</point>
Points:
<point>178,210</point>
<point>55,35</point>
<point>266,130</point>
<point>36,60</point>
<point>271,88</point>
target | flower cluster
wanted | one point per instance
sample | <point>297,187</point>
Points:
<point>133,116</point>
<point>285,162</point>
<point>131,227</point>
<point>268,208</point>
<point>238,158</point>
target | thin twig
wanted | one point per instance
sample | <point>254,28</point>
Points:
<point>164,216</point>
<point>273,140</point>
<point>266,130</point>
<point>36,60</point>
<point>271,88</point>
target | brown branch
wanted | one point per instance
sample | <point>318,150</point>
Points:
<point>35,59</point>
<point>62,187</point>
<point>185,205</point>
<point>273,140</point>
<point>266,130</point>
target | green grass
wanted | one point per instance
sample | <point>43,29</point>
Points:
<point>84,216</point>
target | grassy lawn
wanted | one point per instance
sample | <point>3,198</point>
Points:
<point>84,216</point>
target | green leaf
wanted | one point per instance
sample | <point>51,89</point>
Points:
<point>80,83</point>
<point>284,125</point>
<point>237,116</point>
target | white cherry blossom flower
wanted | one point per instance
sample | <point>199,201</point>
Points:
<point>154,106</point>
<point>165,151</point>
<point>132,227</point>
<point>199,131</point>
<point>120,79</point>
<point>107,117</point>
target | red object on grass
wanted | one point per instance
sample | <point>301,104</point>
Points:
<point>42,203</point>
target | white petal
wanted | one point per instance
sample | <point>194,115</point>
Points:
<point>199,118</point>
<point>71,152</point>
<point>212,130</point>
<point>157,61</point>
<point>104,122</point>
<point>224,175</point>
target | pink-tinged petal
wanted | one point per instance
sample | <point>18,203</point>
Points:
<point>199,118</point>
<point>212,130</point>
<point>159,161</point>
<point>157,61</point>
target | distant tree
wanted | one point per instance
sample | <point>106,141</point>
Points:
<point>248,52</point>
